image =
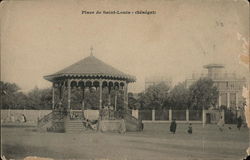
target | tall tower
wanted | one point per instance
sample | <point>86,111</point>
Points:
<point>214,70</point>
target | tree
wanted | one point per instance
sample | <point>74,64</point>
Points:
<point>154,96</point>
<point>178,97</point>
<point>203,94</point>
<point>39,99</point>
<point>10,95</point>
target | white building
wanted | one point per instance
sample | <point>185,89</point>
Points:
<point>229,85</point>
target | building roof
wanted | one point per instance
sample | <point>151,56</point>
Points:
<point>214,66</point>
<point>90,67</point>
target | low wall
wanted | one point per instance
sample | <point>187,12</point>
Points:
<point>12,116</point>
<point>112,126</point>
<point>17,115</point>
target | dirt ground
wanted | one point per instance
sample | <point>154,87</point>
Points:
<point>154,143</point>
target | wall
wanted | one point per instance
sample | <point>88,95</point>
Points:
<point>33,115</point>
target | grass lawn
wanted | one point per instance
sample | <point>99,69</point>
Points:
<point>154,143</point>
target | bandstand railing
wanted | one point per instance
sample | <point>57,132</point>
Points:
<point>126,114</point>
<point>53,116</point>
<point>76,115</point>
<point>47,118</point>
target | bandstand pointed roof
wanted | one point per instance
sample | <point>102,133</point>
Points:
<point>90,67</point>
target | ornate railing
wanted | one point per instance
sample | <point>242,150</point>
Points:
<point>59,115</point>
<point>76,114</point>
<point>129,117</point>
<point>54,115</point>
<point>125,114</point>
<point>107,114</point>
<point>47,118</point>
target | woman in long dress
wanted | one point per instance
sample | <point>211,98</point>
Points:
<point>221,123</point>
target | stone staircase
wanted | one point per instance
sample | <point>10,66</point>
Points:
<point>45,122</point>
<point>74,126</point>
<point>132,124</point>
<point>53,122</point>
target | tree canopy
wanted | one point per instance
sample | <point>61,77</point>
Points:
<point>154,96</point>
<point>178,97</point>
<point>11,97</point>
<point>203,94</point>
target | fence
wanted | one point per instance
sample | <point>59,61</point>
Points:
<point>193,116</point>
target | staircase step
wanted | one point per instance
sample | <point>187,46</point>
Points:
<point>74,121</point>
<point>79,124</point>
<point>68,130</point>
<point>74,128</point>
<point>75,132</point>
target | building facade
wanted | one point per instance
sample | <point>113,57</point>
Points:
<point>229,85</point>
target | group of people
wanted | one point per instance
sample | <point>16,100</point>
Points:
<point>88,124</point>
<point>173,127</point>
<point>220,125</point>
<point>13,118</point>
<point>107,113</point>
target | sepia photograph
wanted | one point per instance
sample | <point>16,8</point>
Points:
<point>125,80</point>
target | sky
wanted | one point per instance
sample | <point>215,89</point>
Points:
<point>39,38</point>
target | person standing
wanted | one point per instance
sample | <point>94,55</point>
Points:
<point>221,123</point>
<point>24,118</point>
<point>239,122</point>
<point>190,129</point>
<point>173,126</point>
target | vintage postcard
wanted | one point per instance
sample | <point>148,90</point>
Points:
<point>125,79</point>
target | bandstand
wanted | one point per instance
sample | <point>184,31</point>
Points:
<point>88,73</point>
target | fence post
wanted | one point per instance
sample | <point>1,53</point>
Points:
<point>170,114</point>
<point>223,115</point>
<point>135,113</point>
<point>187,115</point>
<point>153,115</point>
<point>203,117</point>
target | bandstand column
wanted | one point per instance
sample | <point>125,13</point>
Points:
<point>69,91</point>
<point>109,96</point>
<point>53,97</point>
<point>100,85</point>
<point>219,100</point>
<point>228,99</point>
<point>83,90</point>
<point>60,94</point>
<point>237,101</point>
<point>126,96</point>
<point>115,99</point>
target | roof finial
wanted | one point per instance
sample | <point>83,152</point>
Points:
<point>91,51</point>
